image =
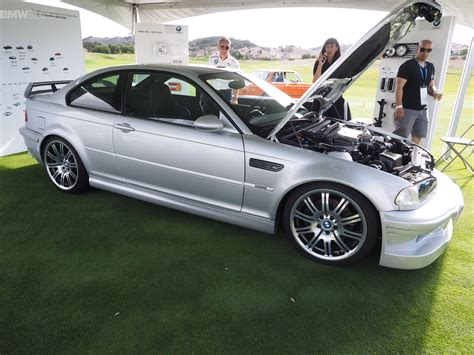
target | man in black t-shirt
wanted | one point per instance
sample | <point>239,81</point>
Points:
<point>415,81</point>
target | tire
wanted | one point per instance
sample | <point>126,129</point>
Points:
<point>331,223</point>
<point>64,167</point>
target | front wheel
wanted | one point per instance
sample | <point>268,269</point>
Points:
<point>64,166</point>
<point>330,223</point>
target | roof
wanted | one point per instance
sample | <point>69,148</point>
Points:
<point>183,69</point>
<point>161,11</point>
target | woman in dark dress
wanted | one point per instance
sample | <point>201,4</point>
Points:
<point>330,52</point>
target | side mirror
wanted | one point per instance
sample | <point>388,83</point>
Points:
<point>237,84</point>
<point>208,123</point>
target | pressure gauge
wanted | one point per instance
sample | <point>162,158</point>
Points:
<point>401,50</point>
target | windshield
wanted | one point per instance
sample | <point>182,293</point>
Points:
<point>257,103</point>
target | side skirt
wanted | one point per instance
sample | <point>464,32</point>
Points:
<point>185,205</point>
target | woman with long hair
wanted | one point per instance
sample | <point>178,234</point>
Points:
<point>330,52</point>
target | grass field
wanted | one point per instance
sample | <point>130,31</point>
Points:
<point>99,272</point>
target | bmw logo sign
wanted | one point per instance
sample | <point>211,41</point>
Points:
<point>178,28</point>
<point>327,224</point>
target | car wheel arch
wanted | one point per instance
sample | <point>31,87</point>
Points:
<point>284,199</point>
<point>52,135</point>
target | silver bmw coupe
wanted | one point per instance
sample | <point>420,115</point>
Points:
<point>187,137</point>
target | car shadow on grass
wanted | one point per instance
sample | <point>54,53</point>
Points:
<point>103,272</point>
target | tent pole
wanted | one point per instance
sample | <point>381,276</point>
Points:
<point>465,78</point>
<point>134,17</point>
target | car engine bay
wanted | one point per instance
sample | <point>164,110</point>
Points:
<point>359,143</point>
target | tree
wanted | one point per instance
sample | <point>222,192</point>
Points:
<point>101,49</point>
<point>114,49</point>
<point>128,48</point>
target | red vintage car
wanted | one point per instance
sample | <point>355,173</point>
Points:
<point>287,81</point>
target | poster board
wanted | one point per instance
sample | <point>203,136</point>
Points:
<point>158,43</point>
<point>37,43</point>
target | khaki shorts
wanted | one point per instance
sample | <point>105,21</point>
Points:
<point>414,122</point>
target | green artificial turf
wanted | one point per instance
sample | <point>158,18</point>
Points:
<point>99,272</point>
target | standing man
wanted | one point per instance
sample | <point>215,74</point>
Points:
<point>223,58</point>
<point>415,81</point>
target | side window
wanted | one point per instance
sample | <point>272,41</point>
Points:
<point>290,77</point>
<point>180,87</point>
<point>100,93</point>
<point>163,96</point>
<point>278,77</point>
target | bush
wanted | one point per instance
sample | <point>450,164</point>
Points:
<point>307,56</point>
<point>108,49</point>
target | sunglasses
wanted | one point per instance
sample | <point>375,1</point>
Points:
<point>225,47</point>
<point>423,49</point>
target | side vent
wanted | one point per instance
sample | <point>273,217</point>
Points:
<point>265,165</point>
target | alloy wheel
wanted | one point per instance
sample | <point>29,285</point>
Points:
<point>61,165</point>
<point>328,224</point>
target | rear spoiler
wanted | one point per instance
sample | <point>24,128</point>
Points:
<point>51,84</point>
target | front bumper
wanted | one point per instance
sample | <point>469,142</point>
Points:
<point>414,239</point>
<point>32,142</point>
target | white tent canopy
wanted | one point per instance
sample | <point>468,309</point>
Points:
<point>161,11</point>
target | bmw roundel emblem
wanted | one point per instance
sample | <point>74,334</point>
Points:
<point>178,28</point>
<point>327,224</point>
<point>216,61</point>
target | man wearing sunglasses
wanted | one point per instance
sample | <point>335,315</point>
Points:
<point>223,57</point>
<point>415,81</point>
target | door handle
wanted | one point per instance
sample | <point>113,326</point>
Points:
<point>124,127</point>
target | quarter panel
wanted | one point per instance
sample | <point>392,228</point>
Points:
<point>89,131</point>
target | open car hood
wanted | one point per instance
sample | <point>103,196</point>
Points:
<point>337,79</point>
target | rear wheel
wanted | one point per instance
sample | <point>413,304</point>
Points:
<point>331,223</point>
<point>64,167</point>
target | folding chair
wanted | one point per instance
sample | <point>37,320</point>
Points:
<point>452,142</point>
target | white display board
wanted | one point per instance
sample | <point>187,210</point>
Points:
<point>441,37</point>
<point>157,43</point>
<point>37,43</point>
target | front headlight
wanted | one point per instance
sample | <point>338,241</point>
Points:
<point>416,194</point>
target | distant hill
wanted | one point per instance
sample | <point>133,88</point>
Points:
<point>245,49</point>
<point>211,42</point>
<point>109,40</point>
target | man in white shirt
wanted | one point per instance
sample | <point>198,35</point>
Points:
<point>223,58</point>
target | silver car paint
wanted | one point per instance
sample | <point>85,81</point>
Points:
<point>208,173</point>
<point>180,160</point>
